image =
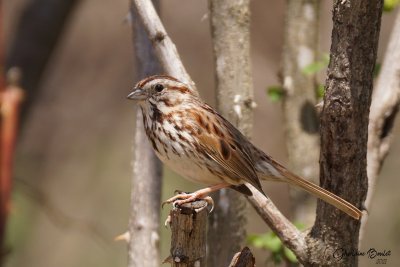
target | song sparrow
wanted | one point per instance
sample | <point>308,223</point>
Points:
<point>198,143</point>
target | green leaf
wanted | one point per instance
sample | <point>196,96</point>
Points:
<point>320,90</point>
<point>276,258</point>
<point>289,255</point>
<point>272,243</point>
<point>275,93</point>
<point>299,225</point>
<point>255,240</point>
<point>268,241</point>
<point>377,69</point>
<point>313,67</point>
<point>389,5</point>
<point>325,58</point>
<point>317,65</point>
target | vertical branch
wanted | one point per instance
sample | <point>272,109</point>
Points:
<point>230,22</point>
<point>10,102</point>
<point>300,47</point>
<point>3,184</point>
<point>2,50</point>
<point>146,179</point>
<point>384,108</point>
<point>344,123</point>
<point>11,97</point>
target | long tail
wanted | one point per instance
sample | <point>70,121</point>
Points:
<point>319,192</point>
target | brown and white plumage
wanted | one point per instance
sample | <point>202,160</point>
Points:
<point>198,143</point>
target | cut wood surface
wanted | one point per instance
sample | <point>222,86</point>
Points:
<point>188,240</point>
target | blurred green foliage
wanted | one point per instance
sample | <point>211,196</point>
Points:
<point>275,93</point>
<point>389,5</point>
<point>377,69</point>
<point>320,90</point>
<point>271,242</point>
<point>317,65</point>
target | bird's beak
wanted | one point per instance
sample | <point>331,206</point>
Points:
<point>138,94</point>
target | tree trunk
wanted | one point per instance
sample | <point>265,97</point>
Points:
<point>344,126</point>
<point>301,123</point>
<point>230,22</point>
<point>147,170</point>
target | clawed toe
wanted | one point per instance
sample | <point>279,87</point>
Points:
<point>209,201</point>
<point>180,192</point>
<point>182,198</point>
<point>177,198</point>
<point>168,221</point>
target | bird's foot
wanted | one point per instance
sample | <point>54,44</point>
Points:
<point>183,197</point>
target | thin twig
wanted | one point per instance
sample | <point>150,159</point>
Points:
<point>165,49</point>
<point>283,228</point>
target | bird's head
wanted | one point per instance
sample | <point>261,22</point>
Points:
<point>161,91</point>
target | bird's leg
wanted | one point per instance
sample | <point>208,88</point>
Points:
<point>183,198</point>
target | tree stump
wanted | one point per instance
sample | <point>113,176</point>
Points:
<point>189,235</point>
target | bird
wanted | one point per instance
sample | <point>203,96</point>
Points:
<point>198,143</point>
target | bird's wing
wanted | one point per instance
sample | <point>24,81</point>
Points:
<point>229,156</point>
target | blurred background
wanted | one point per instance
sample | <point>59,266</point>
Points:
<point>73,161</point>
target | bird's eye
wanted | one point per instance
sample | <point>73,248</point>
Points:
<point>159,87</point>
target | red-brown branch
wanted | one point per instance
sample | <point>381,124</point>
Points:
<point>10,100</point>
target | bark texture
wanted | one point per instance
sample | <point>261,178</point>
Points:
<point>243,258</point>
<point>344,127</point>
<point>301,123</point>
<point>230,22</point>
<point>147,170</point>
<point>384,108</point>
<point>189,235</point>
